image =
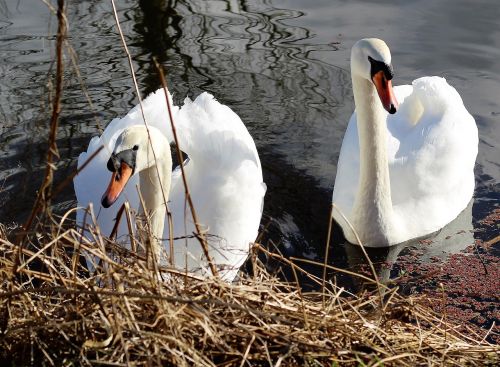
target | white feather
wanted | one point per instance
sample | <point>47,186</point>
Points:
<point>224,176</point>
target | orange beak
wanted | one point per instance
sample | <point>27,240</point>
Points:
<point>385,92</point>
<point>118,181</point>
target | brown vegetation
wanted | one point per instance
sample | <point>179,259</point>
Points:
<point>53,312</point>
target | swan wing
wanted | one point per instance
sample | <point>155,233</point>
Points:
<point>432,169</point>
<point>224,176</point>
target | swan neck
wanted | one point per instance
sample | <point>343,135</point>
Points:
<point>155,186</point>
<point>372,210</point>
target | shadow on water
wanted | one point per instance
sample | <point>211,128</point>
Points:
<point>158,23</point>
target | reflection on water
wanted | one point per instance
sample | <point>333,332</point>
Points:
<point>282,66</point>
<point>455,237</point>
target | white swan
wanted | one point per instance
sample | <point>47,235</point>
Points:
<point>407,174</point>
<point>224,175</point>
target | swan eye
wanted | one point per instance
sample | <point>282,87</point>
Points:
<point>113,164</point>
<point>135,147</point>
<point>377,66</point>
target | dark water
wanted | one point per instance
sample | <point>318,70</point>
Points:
<point>283,66</point>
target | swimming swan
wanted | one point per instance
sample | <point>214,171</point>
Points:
<point>223,172</point>
<point>407,174</point>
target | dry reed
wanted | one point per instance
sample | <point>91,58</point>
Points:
<point>54,312</point>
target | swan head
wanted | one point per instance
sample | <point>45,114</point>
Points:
<point>371,60</point>
<point>132,153</point>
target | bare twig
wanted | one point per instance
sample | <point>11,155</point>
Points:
<point>131,65</point>
<point>327,247</point>
<point>370,263</point>
<point>200,235</point>
<point>43,198</point>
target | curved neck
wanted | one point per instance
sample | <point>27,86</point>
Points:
<point>155,186</point>
<point>372,210</point>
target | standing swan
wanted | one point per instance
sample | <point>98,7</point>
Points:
<point>407,174</point>
<point>223,172</point>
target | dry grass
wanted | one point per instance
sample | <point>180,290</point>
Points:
<point>129,312</point>
<point>53,313</point>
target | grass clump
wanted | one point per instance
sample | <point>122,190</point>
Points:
<point>130,312</point>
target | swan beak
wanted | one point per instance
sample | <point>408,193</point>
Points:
<point>385,92</point>
<point>118,181</point>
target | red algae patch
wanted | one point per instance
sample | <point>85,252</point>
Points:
<point>464,288</point>
<point>493,219</point>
